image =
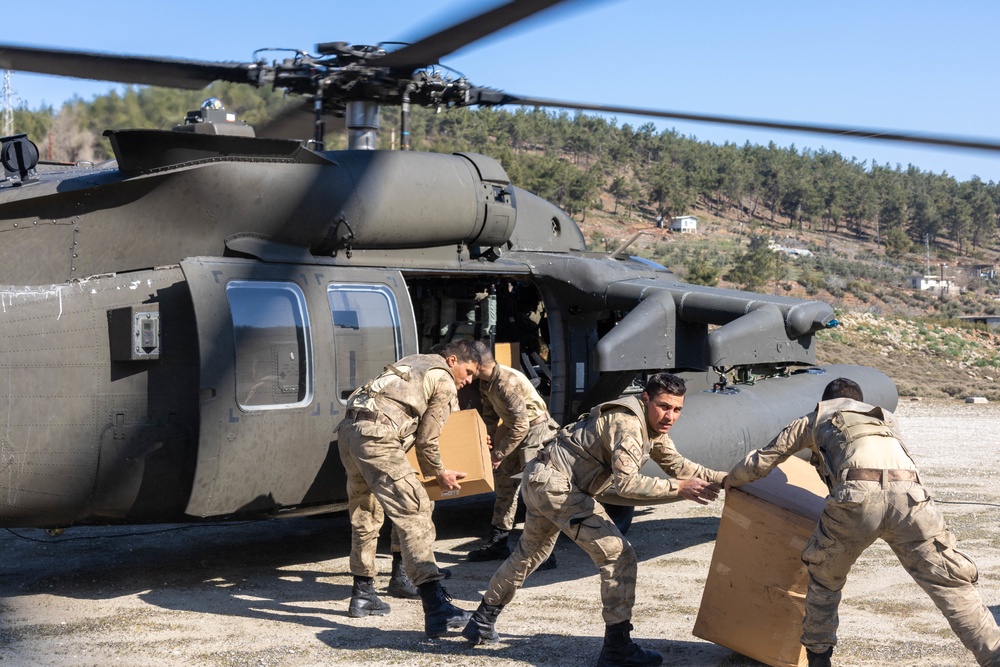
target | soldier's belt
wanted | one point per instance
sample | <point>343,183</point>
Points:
<point>875,475</point>
<point>361,415</point>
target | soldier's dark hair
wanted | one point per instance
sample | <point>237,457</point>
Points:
<point>485,354</point>
<point>463,349</point>
<point>665,383</point>
<point>843,388</point>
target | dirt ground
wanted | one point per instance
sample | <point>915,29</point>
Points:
<point>275,594</point>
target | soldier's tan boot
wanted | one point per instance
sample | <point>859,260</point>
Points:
<point>364,601</point>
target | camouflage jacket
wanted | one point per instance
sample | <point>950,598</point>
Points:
<point>841,433</point>
<point>417,393</point>
<point>509,396</point>
<point>606,448</point>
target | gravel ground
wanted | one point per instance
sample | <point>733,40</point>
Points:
<point>275,594</point>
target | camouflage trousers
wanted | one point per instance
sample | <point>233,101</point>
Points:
<point>554,504</point>
<point>507,485</point>
<point>380,481</point>
<point>902,514</point>
<point>395,541</point>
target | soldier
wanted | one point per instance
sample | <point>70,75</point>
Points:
<point>404,407</point>
<point>602,451</point>
<point>400,585</point>
<point>508,395</point>
<point>875,492</point>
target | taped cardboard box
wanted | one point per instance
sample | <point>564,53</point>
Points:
<point>754,599</point>
<point>464,449</point>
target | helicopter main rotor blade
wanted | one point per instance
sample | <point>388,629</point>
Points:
<point>432,48</point>
<point>489,97</point>
<point>297,121</point>
<point>167,72</point>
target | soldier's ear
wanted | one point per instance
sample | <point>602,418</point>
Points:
<point>645,398</point>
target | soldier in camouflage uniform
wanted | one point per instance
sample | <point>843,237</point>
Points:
<point>875,492</point>
<point>400,585</point>
<point>404,407</point>
<point>602,451</point>
<point>507,395</point>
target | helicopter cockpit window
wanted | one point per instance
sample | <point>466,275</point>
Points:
<point>273,348</point>
<point>366,333</point>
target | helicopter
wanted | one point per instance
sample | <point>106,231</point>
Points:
<point>180,327</point>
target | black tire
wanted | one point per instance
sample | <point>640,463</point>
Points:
<point>621,515</point>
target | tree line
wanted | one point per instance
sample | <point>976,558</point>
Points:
<point>572,159</point>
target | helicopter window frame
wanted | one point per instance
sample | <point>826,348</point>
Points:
<point>299,320</point>
<point>345,387</point>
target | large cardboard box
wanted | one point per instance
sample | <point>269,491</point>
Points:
<point>464,449</point>
<point>754,599</point>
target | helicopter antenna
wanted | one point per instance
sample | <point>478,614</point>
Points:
<point>7,106</point>
<point>624,246</point>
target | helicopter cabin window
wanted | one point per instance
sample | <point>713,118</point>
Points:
<point>366,333</point>
<point>273,348</point>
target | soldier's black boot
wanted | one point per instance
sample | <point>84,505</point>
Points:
<point>364,601</point>
<point>480,627</point>
<point>400,585</point>
<point>820,659</point>
<point>549,563</point>
<point>620,651</point>
<point>440,615</point>
<point>495,547</point>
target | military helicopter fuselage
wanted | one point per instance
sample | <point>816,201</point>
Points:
<point>180,327</point>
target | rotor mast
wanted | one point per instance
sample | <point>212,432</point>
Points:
<point>6,106</point>
<point>362,118</point>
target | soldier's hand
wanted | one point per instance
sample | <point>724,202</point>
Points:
<point>448,480</point>
<point>698,490</point>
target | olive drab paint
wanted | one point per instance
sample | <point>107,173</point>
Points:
<point>181,326</point>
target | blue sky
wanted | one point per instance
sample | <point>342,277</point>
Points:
<point>917,66</point>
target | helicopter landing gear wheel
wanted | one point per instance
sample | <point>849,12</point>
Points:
<point>621,514</point>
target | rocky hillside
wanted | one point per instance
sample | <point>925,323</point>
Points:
<point>911,336</point>
<point>923,358</point>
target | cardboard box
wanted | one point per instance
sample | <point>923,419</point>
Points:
<point>754,599</point>
<point>508,354</point>
<point>463,449</point>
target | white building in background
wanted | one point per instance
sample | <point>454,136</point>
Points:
<point>924,283</point>
<point>684,223</point>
